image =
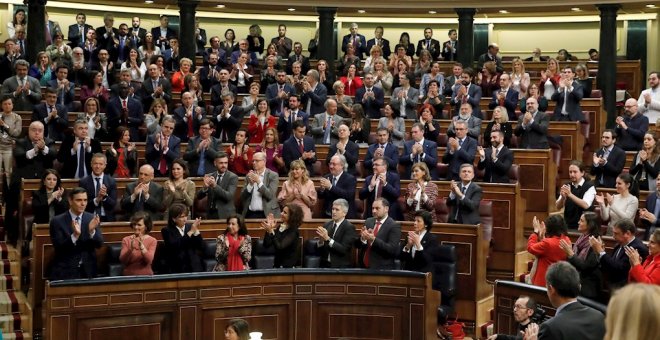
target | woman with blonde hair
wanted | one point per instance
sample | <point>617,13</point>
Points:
<point>519,78</point>
<point>382,77</point>
<point>421,192</point>
<point>344,102</point>
<point>550,79</point>
<point>298,189</point>
<point>500,122</point>
<point>375,53</point>
<point>633,313</point>
<point>178,77</point>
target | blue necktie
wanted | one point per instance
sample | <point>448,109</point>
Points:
<point>200,169</point>
<point>97,189</point>
<point>81,160</point>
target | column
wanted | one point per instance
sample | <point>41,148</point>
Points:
<point>326,47</point>
<point>187,47</point>
<point>36,28</point>
<point>607,63</point>
<point>465,35</point>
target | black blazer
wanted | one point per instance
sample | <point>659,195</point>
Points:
<point>504,127</point>
<point>55,128</point>
<point>154,205</point>
<point>226,127</point>
<point>192,156</point>
<point>291,152</point>
<point>572,103</point>
<point>89,184</point>
<point>575,321</point>
<point>287,249</point>
<point>498,171</point>
<point>385,247</point>
<point>133,119</point>
<point>340,251</point>
<point>72,261</point>
<point>351,155</point>
<point>41,207</point>
<point>591,278</point>
<point>463,155</point>
<point>345,188</point>
<point>70,162</point>
<point>31,168</point>
<point>391,192</point>
<point>391,154</point>
<point>384,45</point>
<point>434,48</point>
<point>74,35</point>
<point>467,208</point>
<point>372,106</point>
<point>536,134</point>
<point>605,176</point>
<point>423,261</point>
<point>616,265</point>
<point>181,253</point>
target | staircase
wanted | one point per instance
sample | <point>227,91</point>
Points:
<point>15,313</point>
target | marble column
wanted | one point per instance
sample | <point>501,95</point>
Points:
<point>187,46</point>
<point>326,46</point>
<point>36,28</point>
<point>606,78</point>
<point>466,35</point>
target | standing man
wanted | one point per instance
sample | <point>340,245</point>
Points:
<point>631,127</point>
<point>278,93</point>
<point>228,118</point>
<point>299,57</point>
<point>163,147</point>
<point>336,237</point>
<point>281,41</point>
<point>77,31</point>
<point>188,117</point>
<point>259,195</point>
<point>202,149</point>
<point>358,41</point>
<point>404,98</point>
<point>450,47</point>
<point>103,187</point>
<point>314,94</point>
<point>76,152</point>
<point>466,92</point>
<point>338,184</point>
<point>496,160</point>
<point>577,196</point>
<point>382,149</point>
<point>429,44</point>
<point>76,236</point>
<point>507,97</point>
<point>299,146</point>
<point>125,111</point>
<point>64,88</point>
<point>382,184</point>
<point>163,33</point>
<point>379,238</point>
<point>465,115</point>
<point>324,126</point>
<point>219,187</point>
<point>155,86</point>
<point>532,127</point>
<point>106,35</point>
<point>378,40</point>
<point>420,150</point>
<point>568,98</point>
<point>649,99</point>
<point>144,195</point>
<point>137,33</point>
<point>464,198</point>
<point>460,150</point>
<point>288,116</point>
<point>370,97</point>
<point>608,161</point>
<point>23,89</point>
<point>491,55</point>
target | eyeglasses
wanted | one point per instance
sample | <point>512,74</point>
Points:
<point>519,307</point>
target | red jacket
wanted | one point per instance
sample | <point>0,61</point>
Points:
<point>257,131</point>
<point>547,251</point>
<point>647,272</point>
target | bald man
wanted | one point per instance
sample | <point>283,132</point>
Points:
<point>144,195</point>
<point>631,127</point>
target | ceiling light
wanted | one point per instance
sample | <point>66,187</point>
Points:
<point>650,6</point>
<point>576,9</point>
<point>220,6</point>
<point>148,1</point>
<point>432,12</point>
<point>291,9</point>
<point>361,11</point>
<point>504,11</point>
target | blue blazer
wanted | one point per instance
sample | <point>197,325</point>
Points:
<point>361,48</point>
<point>371,107</point>
<point>430,157</point>
<point>71,260</point>
<point>391,193</point>
<point>391,154</point>
<point>134,120</point>
<point>384,44</point>
<point>274,102</point>
<point>510,103</point>
<point>318,97</point>
<point>153,156</point>
<point>463,155</point>
<point>285,127</point>
<point>291,152</point>
<point>474,92</point>
<point>89,184</point>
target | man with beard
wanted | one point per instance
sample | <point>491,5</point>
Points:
<point>77,31</point>
<point>631,127</point>
<point>466,92</point>
<point>137,33</point>
<point>649,99</point>
<point>496,160</point>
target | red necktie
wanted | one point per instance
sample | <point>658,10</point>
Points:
<point>191,132</point>
<point>368,252</point>
<point>301,147</point>
<point>124,104</point>
<point>162,166</point>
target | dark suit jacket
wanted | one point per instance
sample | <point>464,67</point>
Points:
<point>221,198</point>
<point>148,90</point>
<point>108,203</point>
<point>463,155</point>
<point>591,278</point>
<point>55,128</point>
<point>216,93</point>
<point>430,157</point>
<point>391,192</point>
<point>384,44</point>
<point>226,127</point>
<point>139,41</point>
<point>535,136</point>
<point>498,171</point>
<point>605,176</point>
<point>291,152</point>
<point>285,127</point>
<point>510,103</point>
<point>650,206</point>
<point>153,156</point>
<point>304,63</point>
<point>74,35</point>
<point>204,73</point>
<point>362,45</point>
<point>192,156</point>
<point>170,33</point>
<point>181,126</point>
<point>467,208</point>
<point>575,321</point>
<point>103,42</point>
<point>31,168</point>
<point>616,265</point>
<point>485,57</point>
<point>447,54</point>
<point>286,247</point>
<point>385,247</point>
<point>133,119</point>
<point>422,262</point>
<point>276,103</point>
<point>434,48</point>
<point>23,102</point>
<point>318,97</point>
<point>474,93</point>
<point>41,206</point>
<point>340,251</point>
<point>391,154</point>
<point>71,260</point>
<point>181,252</point>
<point>372,106</point>
<point>344,188</point>
<point>70,162</point>
<point>154,205</point>
<point>351,155</point>
<point>572,103</point>
<point>200,41</point>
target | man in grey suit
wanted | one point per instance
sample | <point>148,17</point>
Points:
<point>259,195</point>
<point>379,238</point>
<point>336,237</point>
<point>404,98</point>
<point>572,320</point>
<point>144,195</point>
<point>464,198</point>
<point>473,123</point>
<point>220,187</point>
<point>23,89</point>
<point>324,126</point>
<point>533,127</point>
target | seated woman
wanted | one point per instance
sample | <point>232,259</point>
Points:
<point>137,250</point>
<point>622,205</point>
<point>270,145</point>
<point>182,242</point>
<point>431,128</point>
<point>563,55</point>
<point>421,192</point>
<point>344,102</point>
<point>394,124</point>
<point>351,81</point>
<point>96,90</point>
<point>416,253</point>
<point>435,98</point>
<point>344,147</point>
<point>122,155</point>
<point>360,125</point>
<point>242,73</point>
<point>234,247</point>
<point>177,81</point>
<point>135,64</point>
<point>645,165</point>
<point>285,236</point>
<point>489,79</point>
<point>382,77</point>
<point>649,271</point>
<point>96,121</point>
<point>584,259</point>
<point>260,121</point>
<point>298,189</point>
<point>544,244</point>
<point>178,188</point>
<point>50,200</point>
<point>533,92</point>
<point>582,77</point>
<point>500,122</point>
<point>240,154</point>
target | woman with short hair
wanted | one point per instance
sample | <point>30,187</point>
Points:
<point>137,250</point>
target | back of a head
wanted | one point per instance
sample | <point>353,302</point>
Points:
<point>564,278</point>
<point>633,313</point>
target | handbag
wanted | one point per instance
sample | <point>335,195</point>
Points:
<point>455,329</point>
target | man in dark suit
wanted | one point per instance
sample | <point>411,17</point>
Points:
<point>650,216</point>
<point>200,38</point>
<point>107,34</point>
<point>210,72</point>
<point>144,195</point>
<point>289,115</point>
<point>299,57</point>
<point>163,148</point>
<point>506,97</point>
<point>8,59</point>
<point>52,115</point>
<point>223,86</point>
<point>77,31</point>
<point>188,117</point>
<point>417,253</point>
<point>572,320</point>
<point>338,184</point>
<point>358,41</point>
<point>219,187</point>
<point>568,98</point>
<point>381,149</point>
<point>420,150</point>
<point>496,160</point>
<point>105,66</point>
<point>491,55</point>
<point>76,152</point>
<point>33,154</point>
<point>228,118</point>
<point>616,265</point>
<point>464,198</point>
<point>532,128</point>
<point>63,88</point>
<point>24,90</point>
<point>202,150</point>
<point>336,237</point>
<point>379,238</point>
<point>631,127</point>
<point>278,93</point>
<point>314,94</point>
<point>608,161</point>
<point>466,92</point>
<point>101,188</point>
<point>299,146</point>
<point>536,56</point>
<point>136,33</point>
<point>450,47</point>
<point>125,111</point>
<point>370,97</point>
<point>155,86</point>
<point>429,44</point>
<point>378,40</point>
<point>76,236</point>
<point>382,184</point>
<point>163,33</point>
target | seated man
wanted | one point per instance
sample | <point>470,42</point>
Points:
<point>163,147</point>
<point>608,161</point>
<point>75,235</point>
<point>631,127</point>
<point>336,238</point>
<point>338,184</point>
<point>532,128</point>
<point>496,160</point>
<point>259,195</point>
<point>379,238</point>
<point>420,150</point>
<point>300,146</point>
<point>219,187</point>
<point>464,198</point>
<point>202,150</point>
<point>568,98</point>
<point>144,195</point>
<point>279,92</point>
<point>473,123</point>
<point>460,149</point>
<point>76,152</point>
<point>381,149</point>
<point>104,188</point>
<point>466,92</point>
<point>650,216</point>
<point>52,115</point>
<point>506,97</point>
<point>382,184</point>
<point>523,311</point>
<point>64,88</point>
